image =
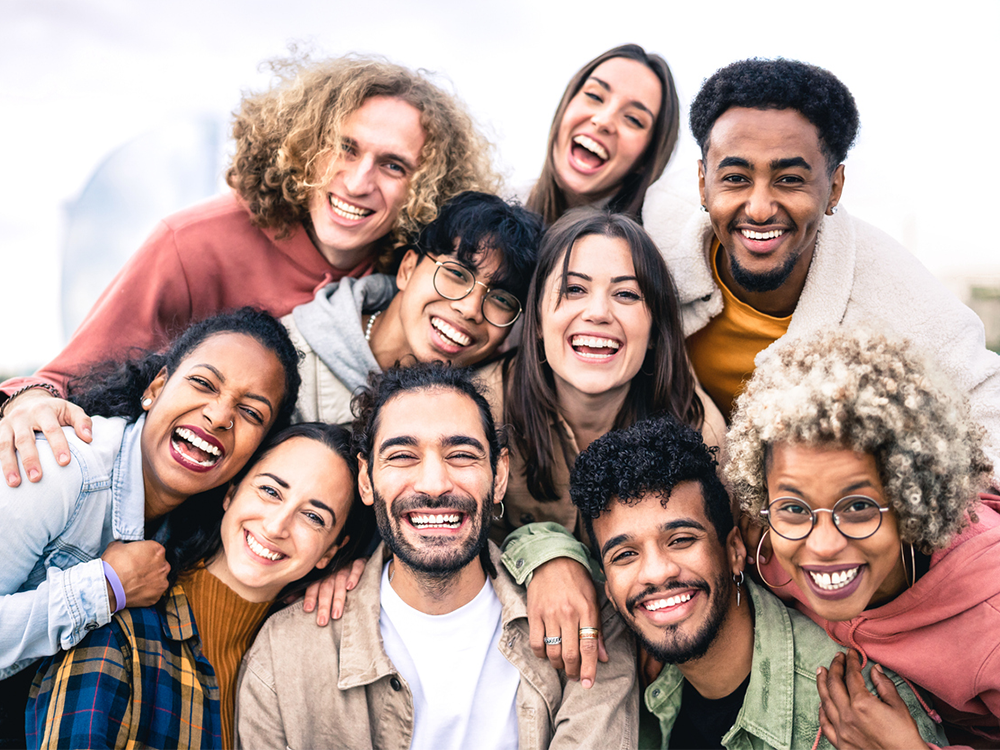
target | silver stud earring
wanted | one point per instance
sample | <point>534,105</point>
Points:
<point>146,403</point>
<point>833,210</point>
<point>704,208</point>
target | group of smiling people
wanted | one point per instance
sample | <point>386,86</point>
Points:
<point>650,413</point>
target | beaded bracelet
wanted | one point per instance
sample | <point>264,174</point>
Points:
<point>46,386</point>
<point>116,586</point>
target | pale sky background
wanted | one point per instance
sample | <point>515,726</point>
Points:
<point>80,78</point>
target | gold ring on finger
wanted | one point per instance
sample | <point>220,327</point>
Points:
<point>589,633</point>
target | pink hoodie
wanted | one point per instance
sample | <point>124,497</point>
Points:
<point>943,633</point>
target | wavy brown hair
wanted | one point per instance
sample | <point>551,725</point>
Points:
<point>872,394</point>
<point>530,401</point>
<point>548,199</point>
<point>282,134</point>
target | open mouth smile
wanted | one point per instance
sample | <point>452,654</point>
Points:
<point>752,235</point>
<point>657,604</point>
<point>348,210</point>
<point>260,550</point>
<point>427,521</point>
<point>450,334</point>
<point>588,153</point>
<point>834,581</point>
<point>195,449</point>
<point>594,347</point>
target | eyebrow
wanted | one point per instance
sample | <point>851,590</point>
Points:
<point>222,379</point>
<point>312,501</point>
<point>614,279</point>
<point>788,163</point>
<point>680,523</point>
<point>454,440</point>
<point>861,483</point>
<point>633,102</point>
<point>448,442</point>
<point>395,157</point>
<point>275,477</point>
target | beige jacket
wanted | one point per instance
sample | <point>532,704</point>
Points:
<point>302,686</point>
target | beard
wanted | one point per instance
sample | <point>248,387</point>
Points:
<point>676,647</point>
<point>437,556</point>
<point>766,281</point>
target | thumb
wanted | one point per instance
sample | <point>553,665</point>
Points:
<point>885,688</point>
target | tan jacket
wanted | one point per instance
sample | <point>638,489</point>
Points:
<point>302,686</point>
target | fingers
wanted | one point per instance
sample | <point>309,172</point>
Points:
<point>325,597</point>
<point>357,568</point>
<point>24,443</point>
<point>602,652</point>
<point>536,632</point>
<point>8,459</point>
<point>570,661</point>
<point>854,679</point>
<point>311,597</point>
<point>342,583</point>
<point>829,731</point>
<point>885,688</point>
<point>82,424</point>
<point>554,651</point>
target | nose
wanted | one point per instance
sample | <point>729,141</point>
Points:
<point>219,414</point>
<point>602,119</point>
<point>433,477</point>
<point>760,207</point>
<point>657,568</point>
<point>597,309</point>
<point>359,175</point>
<point>277,521</point>
<point>825,540</point>
<point>470,306</point>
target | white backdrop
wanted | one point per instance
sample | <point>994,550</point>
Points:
<point>78,78</point>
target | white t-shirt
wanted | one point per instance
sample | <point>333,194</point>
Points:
<point>464,689</point>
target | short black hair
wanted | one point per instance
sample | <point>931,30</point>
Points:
<point>650,457</point>
<point>482,222</point>
<point>780,84</point>
<point>434,376</point>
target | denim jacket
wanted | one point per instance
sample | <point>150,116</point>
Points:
<point>781,706</point>
<point>52,533</point>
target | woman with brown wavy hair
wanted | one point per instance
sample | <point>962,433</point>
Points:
<point>612,135</point>
<point>335,164</point>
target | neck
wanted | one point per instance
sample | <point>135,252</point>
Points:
<point>388,339</point>
<point>778,303</point>
<point>157,501</point>
<point>342,260</point>
<point>728,660</point>
<point>590,416</point>
<point>437,594</point>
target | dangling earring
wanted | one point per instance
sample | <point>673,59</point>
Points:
<point>913,563</point>
<point>502,511</point>
<point>766,582</point>
<point>738,582</point>
<point>146,403</point>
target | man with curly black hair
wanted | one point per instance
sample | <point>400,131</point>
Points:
<point>739,667</point>
<point>773,257</point>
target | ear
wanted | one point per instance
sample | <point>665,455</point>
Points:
<point>736,551</point>
<point>835,189</point>
<point>406,267</point>
<point>701,181</point>
<point>365,482</point>
<point>500,480</point>
<point>155,386</point>
<point>228,499</point>
<point>325,559</point>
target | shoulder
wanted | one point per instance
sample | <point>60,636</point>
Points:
<point>290,639</point>
<point>222,210</point>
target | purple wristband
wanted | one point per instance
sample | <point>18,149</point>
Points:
<point>116,586</point>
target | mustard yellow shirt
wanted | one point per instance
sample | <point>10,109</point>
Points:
<point>722,353</point>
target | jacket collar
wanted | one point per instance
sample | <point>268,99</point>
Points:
<point>128,509</point>
<point>178,624</point>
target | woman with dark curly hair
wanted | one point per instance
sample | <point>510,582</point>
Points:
<point>335,165</point>
<point>865,467</point>
<point>612,135</point>
<point>73,546</point>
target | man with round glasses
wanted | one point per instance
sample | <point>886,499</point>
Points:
<point>455,298</point>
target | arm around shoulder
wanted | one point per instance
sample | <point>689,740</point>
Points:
<point>534,544</point>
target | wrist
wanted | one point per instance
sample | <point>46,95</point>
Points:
<point>115,585</point>
<point>47,387</point>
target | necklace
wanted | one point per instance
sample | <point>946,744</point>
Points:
<point>371,322</point>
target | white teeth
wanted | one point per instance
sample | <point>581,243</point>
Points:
<point>347,210</point>
<point>672,601</point>
<point>186,434</point>
<point>591,145</point>
<point>439,520</point>
<point>451,333</point>
<point>592,342</point>
<point>260,550</point>
<point>751,235</point>
<point>834,581</point>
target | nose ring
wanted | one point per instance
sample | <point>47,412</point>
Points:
<point>224,429</point>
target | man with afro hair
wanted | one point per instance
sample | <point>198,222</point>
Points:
<point>771,256</point>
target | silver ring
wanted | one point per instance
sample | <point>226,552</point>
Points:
<point>553,640</point>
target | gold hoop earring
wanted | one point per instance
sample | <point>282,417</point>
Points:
<point>913,563</point>
<point>757,563</point>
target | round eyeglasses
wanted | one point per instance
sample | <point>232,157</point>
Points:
<point>855,516</point>
<point>454,281</point>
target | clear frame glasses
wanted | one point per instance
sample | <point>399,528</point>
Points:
<point>454,281</point>
<point>855,516</point>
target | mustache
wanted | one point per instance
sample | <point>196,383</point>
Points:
<point>421,501</point>
<point>633,601</point>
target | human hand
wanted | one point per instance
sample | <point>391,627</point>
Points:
<point>561,600</point>
<point>38,411</point>
<point>649,667</point>
<point>752,531</point>
<point>142,568</point>
<point>851,717</point>
<point>327,596</point>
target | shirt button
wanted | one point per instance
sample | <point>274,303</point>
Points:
<point>395,684</point>
<point>656,692</point>
<point>519,563</point>
<point>90,626</point>
<point>527,518</point>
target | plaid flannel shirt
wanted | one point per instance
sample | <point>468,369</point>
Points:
<point>142,680</point>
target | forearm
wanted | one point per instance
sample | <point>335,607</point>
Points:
<point>534,544</point>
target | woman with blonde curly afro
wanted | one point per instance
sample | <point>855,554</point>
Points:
<point>866,471</point>
<point>336,165</point>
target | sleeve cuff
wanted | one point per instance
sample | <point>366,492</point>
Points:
<point>533,545</point>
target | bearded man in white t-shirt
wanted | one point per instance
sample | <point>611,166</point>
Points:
<point>433,650</point>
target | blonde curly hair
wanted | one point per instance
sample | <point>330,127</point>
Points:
<point>282,134</point>
<point>872,394</point>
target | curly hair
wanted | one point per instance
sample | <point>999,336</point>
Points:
<point>780,84</point>
<point>282,134</point>
<point>548,199</point>
<point>649,458</point>
<point>869,393</point>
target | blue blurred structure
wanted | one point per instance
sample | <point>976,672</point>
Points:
<point>148,178</point>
